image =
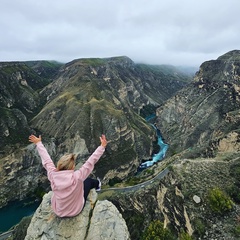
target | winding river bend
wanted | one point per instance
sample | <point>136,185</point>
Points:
<point>160,155</point>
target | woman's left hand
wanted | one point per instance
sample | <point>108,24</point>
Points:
<point>103,140</point>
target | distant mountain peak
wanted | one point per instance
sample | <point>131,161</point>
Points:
<point>122,60</point>
<point>231,55</point>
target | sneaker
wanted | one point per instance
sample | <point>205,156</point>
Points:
<point>99,185</point>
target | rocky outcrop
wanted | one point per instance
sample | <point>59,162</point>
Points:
<point>99,220</point>
<point>230,143</point>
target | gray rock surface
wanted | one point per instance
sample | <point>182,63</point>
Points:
<point>106,223</point>
<point>99,220</point>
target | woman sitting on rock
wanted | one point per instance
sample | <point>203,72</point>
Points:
<point>70,188</point>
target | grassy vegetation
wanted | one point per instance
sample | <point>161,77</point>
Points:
<point>93,61</point>
<point>105,194</point>
<point>133,181</point>
<point>199,227</point>
<point>184,236</point>
<point>219,202</point>
<point>156,231</point>
<point>114,181</point>
<point>236,231</point>
<point>44,64</point>
<point>39,192</point>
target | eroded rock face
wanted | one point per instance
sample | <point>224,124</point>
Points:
<point>230,143</point>
<point>98,221</point>
<point>205,111</point>
<point>19,99</point>
<point>162,200</point>
<point>179,200</point>
<point>22,171</point>
<point>107,223</point>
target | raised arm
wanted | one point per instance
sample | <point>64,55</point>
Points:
<point>88,166</point>
<point>46,159</point>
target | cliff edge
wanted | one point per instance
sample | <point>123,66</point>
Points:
<point>99,220</point>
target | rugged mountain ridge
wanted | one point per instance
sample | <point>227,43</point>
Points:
<point>205,113</point>
<point>82,99</point>
<point>95,96</point>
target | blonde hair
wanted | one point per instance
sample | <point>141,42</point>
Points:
<point>66,162</point>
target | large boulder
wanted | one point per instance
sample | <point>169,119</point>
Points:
<point>99,220</point>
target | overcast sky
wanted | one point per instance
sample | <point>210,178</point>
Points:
<point>177,32</point>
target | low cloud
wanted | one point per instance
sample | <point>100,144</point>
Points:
<point>173,32</point>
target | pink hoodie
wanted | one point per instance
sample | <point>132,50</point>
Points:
<point>67,185</point>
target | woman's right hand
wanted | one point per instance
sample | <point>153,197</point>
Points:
<point>35,139</point>
<point>103,140</point>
